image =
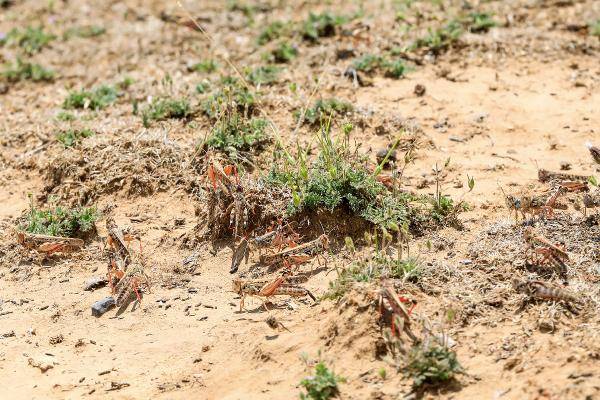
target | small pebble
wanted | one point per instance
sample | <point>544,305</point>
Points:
<point>102,306</point>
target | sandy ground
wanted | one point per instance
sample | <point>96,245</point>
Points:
<point>521,97</point>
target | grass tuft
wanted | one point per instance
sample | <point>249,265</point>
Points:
<point>432,365</point>
<point>60,221</point>
<point>321,25</point>
<point>206,66</point>
<point>86,31</point>
<point>22,71</point>
<point>30,39</point>
<point>263,75</point>
<point>163,109</point>
<point>234,134</point>
<point>323,385</point>
<point>231,91</point>
<point>323,109</point>
<point>94,99</point>
<point>71,137</point>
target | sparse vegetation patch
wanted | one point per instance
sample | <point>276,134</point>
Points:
<point>23,71</point>
<point>60,221</point>
<point>94,99</point>
<point>164,108</point>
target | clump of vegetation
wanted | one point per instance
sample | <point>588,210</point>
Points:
<point>165,108</point>
<point>86,31</point>
<point>21,71</point>
<point>323,109</point>
<point>94,99</point>
<point>479,22</point>
<point>206,66</point>
<point>432,364</point>
<point>323,385</point>
<point>234,134</point>
<point>321,25</point>
<point>370,63</point>
<point>440,40</point>
<point>594,28</point>
<point>379,265</point>
<point>232,91</point>
<point>65,116</point>
<point>202,87</point>
<point>264,75</point>
<point>60,221</point>
<point>283,53</point>
<point>30,39</point>
<point>72,137</point>
<point>274,31</point>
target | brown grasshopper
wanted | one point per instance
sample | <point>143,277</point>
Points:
<point>550,253</point>
<point>119,256</point>
<point>548,176</point>
<point>540,290</point>
<point>132,281</point>
<point>400,315</point>
<point>283,285</point>
<point>297,254</point>
<point>594,152</point>
<point>541,204</point>
<point>49,244</point>
<point>274,237</point>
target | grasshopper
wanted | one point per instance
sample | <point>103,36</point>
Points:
<point>540,290</point>
<point>48,244</point>
<point>272,238</point>
<point>548,176</point>
<point>550,253</point>
<point>132,282</point>
<point>390,301</point>
<point>594,152</point>
<point>541,204</point>
<point>297,254</point>
<point>283,285</point>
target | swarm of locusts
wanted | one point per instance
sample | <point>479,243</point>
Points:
<point>541,253</point>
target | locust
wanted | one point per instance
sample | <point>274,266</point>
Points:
<point>297,254</point>
<point>274,237</point>
<point>540,290</point>
<point>540,204</point>
<point>545,252</point>
<point>594,152</point>
<point>132,282</point>
<point>400,315</point>
<point>283,285</point>
<point>548,176</point>
<point>119,256</point>
<point>49,244</point>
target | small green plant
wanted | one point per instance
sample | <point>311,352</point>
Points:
<point>94,99</point>
<point>594,28</point>
<point>373,268</point>
<point>233,134</point>
<point>479,22</point>
<point>59,221</point>
<point>283,53</point>
<point>162,109</point>
<point>370,63</point>
<point>323,109</point>
<point>206,66</point>
<point>439,40</point>
<point>321,25</point>
<point>263,75</point>
<point>433,364</point>
<point>323,385</point>
<point>382,373</point>
<point>72,137</point>
<point>86,31</point>
<point>21,71</point>
<point>125,83</point>
<point>30,39</point>
<point>273,31</point>
<point>65,116</point>
<point>231,91</point>
<point>202,87</point>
